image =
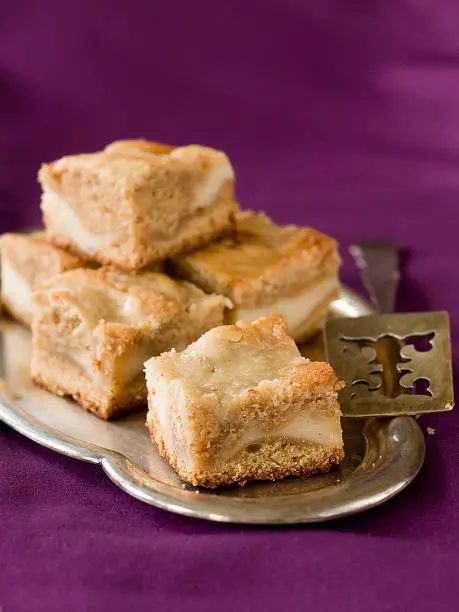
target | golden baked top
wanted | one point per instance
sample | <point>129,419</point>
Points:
<point>129,164</point>
<point>260,255</point>
<point>147,300</point>
<point>231,360</point>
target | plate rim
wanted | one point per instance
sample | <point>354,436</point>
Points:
<point>143,486</point>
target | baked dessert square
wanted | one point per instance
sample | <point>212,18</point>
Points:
<point>137,202</point>
<point>265,268</point>
<point>242,404</point>
<point>28,260</point>
<point>94,329</point>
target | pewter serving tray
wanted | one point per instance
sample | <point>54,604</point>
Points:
<point>382,455</point>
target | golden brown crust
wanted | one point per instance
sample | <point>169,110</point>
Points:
<point>260,261</point>
<point>278,459</point>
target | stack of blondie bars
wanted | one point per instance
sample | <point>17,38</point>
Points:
<point>146,259</point>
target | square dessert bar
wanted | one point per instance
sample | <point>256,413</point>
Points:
<point>28,260</point>
<point>94,329</point>
<point>242,404</point>
<point>265,268</point>
<point>137,202</point>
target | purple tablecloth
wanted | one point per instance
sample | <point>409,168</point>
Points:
<point>342,115</point>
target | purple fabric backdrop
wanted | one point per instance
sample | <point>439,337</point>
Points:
<point>342,115</point>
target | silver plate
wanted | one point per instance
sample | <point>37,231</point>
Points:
<point>382,455</point>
